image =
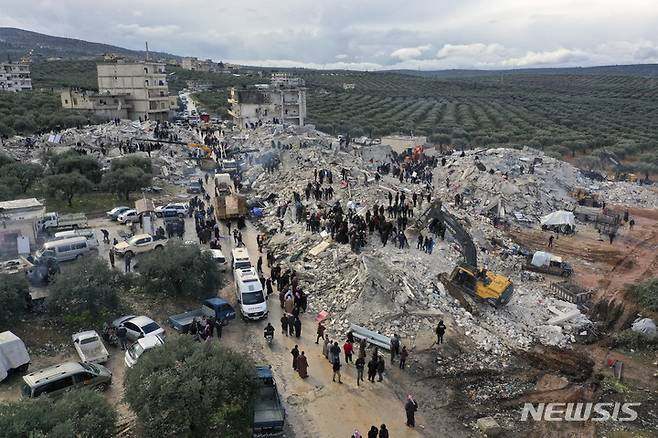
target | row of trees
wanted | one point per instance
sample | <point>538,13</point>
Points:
<point>72,174</point>
<point>30,112</point>
<point>16,178</point>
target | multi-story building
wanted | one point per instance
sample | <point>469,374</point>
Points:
<point>283,100</point>
<point>15,76</point>
<point>143,83</point>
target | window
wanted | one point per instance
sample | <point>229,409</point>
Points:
<point>83,376</point>
<point>81,245</point>
<point>64,248</point>
<point>56,385</point>
<point>131,326</point>
<point>146,70</point>
<point>151,327</point>
<point>146,82</point>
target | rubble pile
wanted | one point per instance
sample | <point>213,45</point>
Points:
<point>395,290</point>
<point>101,141</point>
<point>526,184</point>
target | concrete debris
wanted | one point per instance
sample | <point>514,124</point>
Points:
<point>489,426</point>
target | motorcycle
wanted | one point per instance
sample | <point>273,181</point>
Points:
<point>268,338</point>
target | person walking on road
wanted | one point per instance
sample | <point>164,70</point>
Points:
<point>383,431</point>
<point>298,327</point>
<point>336,368</point>
<point>372,370</point>
<point>325,348</point>
<point>410,408</point>
<point>347,349</point>
<point>440,331</point>
<point>360,365</point>
<point>259,265</point>
<point>403,357</point>
<point>106,235</point>
<point>284,325</point>
<point>373,432</point>
<point>302,366</point>
<point>320,332</point>
<point>550,241</point>
<point>112,257</point>
<point>334,351</point>
<point>380,368</point>
<point>295,356</point>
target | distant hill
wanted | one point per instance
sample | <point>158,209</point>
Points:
<point>15,43</point>
<point>637,70</point>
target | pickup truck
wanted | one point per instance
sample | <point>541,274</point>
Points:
<point>90,347</point>
<point>218,308</point>
<point>269,414</point>
<point>548,263</point>
<point>55,222</point>
<point>139,243</point>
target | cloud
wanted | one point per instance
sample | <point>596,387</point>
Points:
<point>553,57</point>
<point>364,34</point>
<point>407,53</point>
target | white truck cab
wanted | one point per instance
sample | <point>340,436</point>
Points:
<point>240,259</point>
<point>249,294</point>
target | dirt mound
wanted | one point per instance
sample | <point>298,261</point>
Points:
<point>576,365</point>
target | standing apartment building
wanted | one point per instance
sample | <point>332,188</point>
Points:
<point>144,85</point>
<point>15,76</point>
<point>283,100</point>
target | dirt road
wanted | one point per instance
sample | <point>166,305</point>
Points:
<point>317,406</point>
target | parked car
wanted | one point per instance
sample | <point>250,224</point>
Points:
<point>90,347</point>
<point>139,243</point>
<point>269,413</point>
<point>218,308</point>
<point>51,222</point>
<point>116,211</point>
<point>139,327</point>
<point>194,187</point>
<point>71,248</point>
<point>128,216</point>
<point>180,209</point>
<point>218,256</point>
<point>13,354</point>
<point>56,380</point>
<point>141,346</point>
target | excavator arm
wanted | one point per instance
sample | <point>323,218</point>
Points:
<point>465,280</point>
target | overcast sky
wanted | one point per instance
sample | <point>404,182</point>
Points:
<point>361,34</point>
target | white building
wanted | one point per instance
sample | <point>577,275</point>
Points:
<point>15,76</point>
<point>283,100</point>
<point>18,225</point>
<point>143,83</point>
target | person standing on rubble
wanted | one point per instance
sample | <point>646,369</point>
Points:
<point>395,346</point>
<point>403,357</point>
<point>440,331</point>
<point>550,241</point>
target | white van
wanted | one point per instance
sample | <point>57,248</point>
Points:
<point>65,249</point>
<point>240,259</point>
<point>249,294</point>
<point>92,241</point>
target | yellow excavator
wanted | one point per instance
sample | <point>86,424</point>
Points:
<point>466,282</point>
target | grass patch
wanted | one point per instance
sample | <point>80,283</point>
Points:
<point>94,202</point>
<point>614,385</point>
<point>646,294</point>
<point>630,340</point>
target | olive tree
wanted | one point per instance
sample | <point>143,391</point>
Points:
<point>87,293</point>
<point>179,269</point>
<point>80,413</point>
<point>186,388</point>
<point>67,185</point>
<point>13,292</point>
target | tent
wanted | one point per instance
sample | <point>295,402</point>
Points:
<point>542,258</point>
<point>558,218</point>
